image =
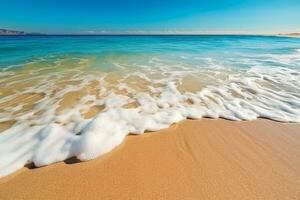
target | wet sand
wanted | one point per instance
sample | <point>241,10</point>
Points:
<point>200,159</point>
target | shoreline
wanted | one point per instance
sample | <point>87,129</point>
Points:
<point>116,86</point>
<point>207,158</point>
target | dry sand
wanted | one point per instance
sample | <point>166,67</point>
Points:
<point>201,159</point>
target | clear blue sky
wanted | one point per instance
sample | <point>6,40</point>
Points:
<point>91,16</point>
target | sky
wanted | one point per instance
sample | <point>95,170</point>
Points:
<point>150,16</point>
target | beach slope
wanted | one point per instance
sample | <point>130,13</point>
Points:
<point>200,159</point>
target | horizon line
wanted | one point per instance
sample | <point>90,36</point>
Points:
<point>162,32</point>
<point>156,34</point>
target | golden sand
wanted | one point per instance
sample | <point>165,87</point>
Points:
<point>201,159</point>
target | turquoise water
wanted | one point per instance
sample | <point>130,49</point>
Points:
<point>233,49</point>
<point>80,96</point>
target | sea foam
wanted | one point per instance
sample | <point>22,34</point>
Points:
<point>243,96</point>
<point>44,134</point>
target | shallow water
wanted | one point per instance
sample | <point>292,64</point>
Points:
<point>65,96</point>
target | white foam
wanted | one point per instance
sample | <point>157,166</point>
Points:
<point>242,95</point>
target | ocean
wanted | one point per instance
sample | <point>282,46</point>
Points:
<point>79,96</point>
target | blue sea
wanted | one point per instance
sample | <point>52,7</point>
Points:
<point>80,96</point>
<point>17,50</point>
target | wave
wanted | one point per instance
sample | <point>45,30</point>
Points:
<point>156,100</point>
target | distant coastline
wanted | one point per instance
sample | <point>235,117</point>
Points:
<point>289,34</point>
<point>7,32</point>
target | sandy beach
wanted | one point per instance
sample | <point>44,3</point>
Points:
<point>150,100</point>
<point>152,120</point>
<point>195,159</point>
